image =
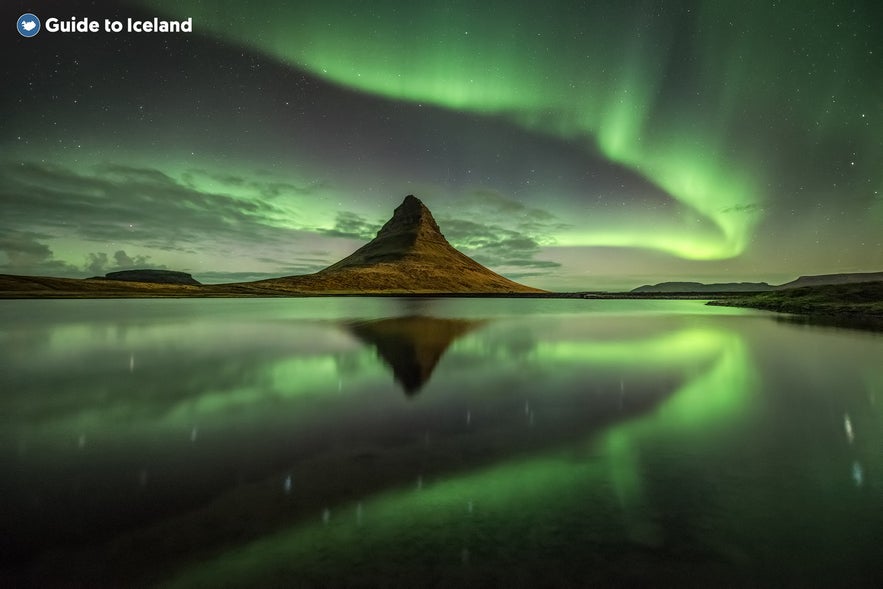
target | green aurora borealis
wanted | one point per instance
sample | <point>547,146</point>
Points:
<point>566,145</point>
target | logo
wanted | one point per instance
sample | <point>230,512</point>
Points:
<point>28,25</point>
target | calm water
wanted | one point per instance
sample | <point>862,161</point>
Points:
<point>386,442</point>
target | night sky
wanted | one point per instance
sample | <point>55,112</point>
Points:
<point>566,145</point>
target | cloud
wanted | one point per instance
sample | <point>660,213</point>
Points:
<point>96,263</point>
<point>265,188</point>
<point>99,263</point>
<point>495,246</point>
<point>23,253</point>
<point>503,233</point>
<point>126,204</point>
<point>121,202</point>
<point>522,275</point>
<point>485,201</point>
<point>22,249</point>
<point>351,226</point>
<point>747,208</point>
<point>124,261</point>
<point>317,260</point>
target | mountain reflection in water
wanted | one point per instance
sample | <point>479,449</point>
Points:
<point>411,346</point>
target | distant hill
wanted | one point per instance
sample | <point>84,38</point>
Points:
<point>821,280</point>
<point>824,279</point>
<point>409,255</point>
<point>25,287</point>
<point>152,276</point>
<point>700,287</point>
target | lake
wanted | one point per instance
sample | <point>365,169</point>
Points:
<point>362,442</point>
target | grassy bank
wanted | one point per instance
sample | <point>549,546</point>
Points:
<point>861,299</point>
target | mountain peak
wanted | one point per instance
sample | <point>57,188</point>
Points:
<point>411,217</point>
<point>412,201</point>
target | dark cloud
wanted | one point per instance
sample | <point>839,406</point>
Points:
<point>315,260</point>
<point>142,208</point>
<point>124,261</point>
<point>495,203</point>
<point>23,253</point>
<point>747,208</point>
<point>351,226</point>
<point>96,263</point>
<point>117,203</point>
<point>521,275</point>
<point>267,189</point>
<point>131,174</point>
<point>22,249</point>
<point>495,246</point>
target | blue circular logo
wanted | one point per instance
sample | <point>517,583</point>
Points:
<point>28,25</point>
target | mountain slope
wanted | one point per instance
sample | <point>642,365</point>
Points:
<point>409,255</point>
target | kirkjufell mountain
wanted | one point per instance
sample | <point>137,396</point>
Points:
<point>409,255</point>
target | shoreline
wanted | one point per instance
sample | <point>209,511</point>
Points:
<point>45,287</point>
<point>216,294</point>
<point>857,305</point>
